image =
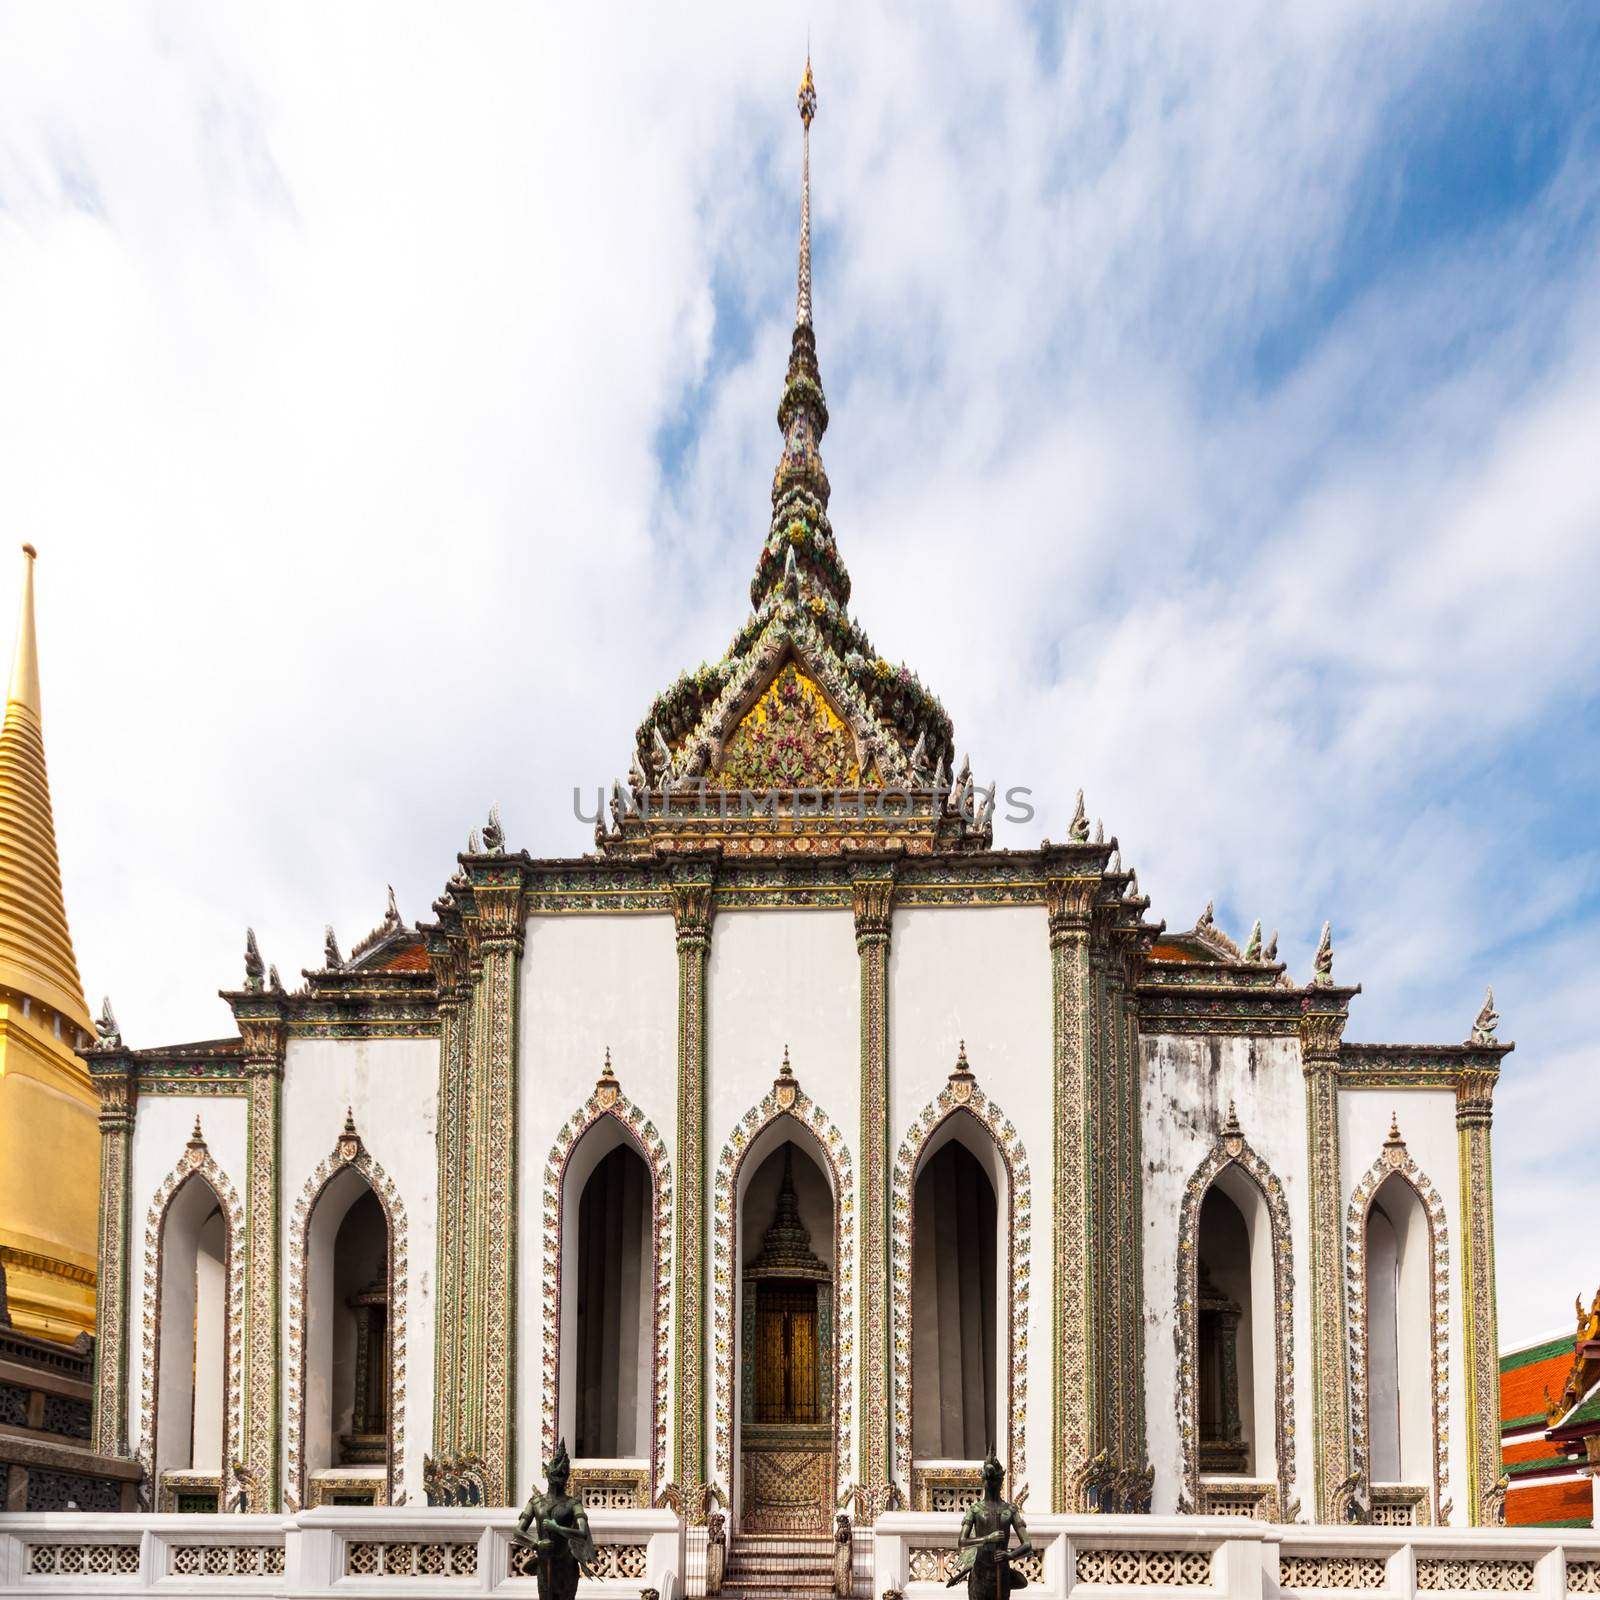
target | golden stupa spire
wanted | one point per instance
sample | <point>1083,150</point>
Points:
<point>36,959</point>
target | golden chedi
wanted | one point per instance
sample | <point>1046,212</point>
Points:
<point>49,1135</point>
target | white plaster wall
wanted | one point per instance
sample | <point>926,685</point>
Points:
<point>1187,1083</point>
<point>982,973</point>
<point>780,978</point>
<point>1427,1120</point>
<point>587,983</point>
<point>392,1089</point>
<point>162,1126</point>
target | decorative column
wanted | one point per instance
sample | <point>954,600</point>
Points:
<point>118,1087</point>
<point>1486,1485</point>
<point>1075,1386</point>
<point>1320,1030</point>
<point>447,955</point>
<point>693,907</point>
<point>873,894</point>
<point>261,1018</point>
<point>1125,1234</point>
<point>500,926</point>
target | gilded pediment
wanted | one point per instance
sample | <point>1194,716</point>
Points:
<point>790,738</point>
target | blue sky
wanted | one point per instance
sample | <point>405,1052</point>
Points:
<point>1214,398</point>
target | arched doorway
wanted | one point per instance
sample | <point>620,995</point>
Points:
<point>348,1385</point>
<point>607,1305</point>
<point>959,1336</point>
<point>1235,1334</point>
<point>1399,1336</point>
<point>788,1312</point>
<point>191,1366</point>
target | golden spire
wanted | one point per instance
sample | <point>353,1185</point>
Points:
<point>807,101</point>
<point>36,959</point>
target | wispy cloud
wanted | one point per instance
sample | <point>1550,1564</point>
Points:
<point>1213,398</point>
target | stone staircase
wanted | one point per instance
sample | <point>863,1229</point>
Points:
<point>779,1566</point>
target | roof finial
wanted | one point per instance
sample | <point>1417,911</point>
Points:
<point>807,101</point>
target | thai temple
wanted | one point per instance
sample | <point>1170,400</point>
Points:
<point>781,1151</point>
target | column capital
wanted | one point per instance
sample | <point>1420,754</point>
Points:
<point>1475,1095</point>
<point>114,1074</point>
<point>1069,902</point>
<point>694,903</point>
<point>497,917</point>
<point>872,897</point>
<point>1321,1030</point>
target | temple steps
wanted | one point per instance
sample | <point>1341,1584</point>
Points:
<point>769,1566</point>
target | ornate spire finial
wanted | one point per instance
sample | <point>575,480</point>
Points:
<point>197,1138</point>
<point>1078,828</point>
<point>800,485</point>
<point>1231,1128</point>
<point>349,1121</point>
<point>807,102</point>
<point>1322,961</point>
<point>1394,1129</point>
<point>254,968</point>
<point>1486,1021</point>
<point>108,1036</point>
<point>786,1070</point>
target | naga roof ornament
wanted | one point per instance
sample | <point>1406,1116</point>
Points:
<point>801,699</point>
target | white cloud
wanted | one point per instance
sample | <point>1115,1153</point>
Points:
<point>337,351</point>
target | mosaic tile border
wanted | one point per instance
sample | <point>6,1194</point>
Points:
<point>195,1162</point>
<point>964,1098</point>
<point>609,1101</point>
<point>348,1151</point>
<point>785,1099</point>
<point>1231,1149</point>
<point>1396,1161</point>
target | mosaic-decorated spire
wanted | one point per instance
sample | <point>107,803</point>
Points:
<point>801,697</point>
<point>800,485</point>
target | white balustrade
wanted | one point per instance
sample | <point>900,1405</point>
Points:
<point>1139,1558</point>
<point>392,1550</point>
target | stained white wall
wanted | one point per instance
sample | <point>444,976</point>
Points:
<point>982,973</point>
<point>777,978</point>
<point>392,1089</point>
<point>1427,1119</point>
<point>587,983</point>
<point>162,1126</point>
<point>1187,1083</point>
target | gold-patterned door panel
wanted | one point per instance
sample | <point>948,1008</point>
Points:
<point>787,1491</point>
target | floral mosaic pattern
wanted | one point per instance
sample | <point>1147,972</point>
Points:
<point>963,1098</point>
<point>609,1101</point>
<point>196,1162</point>
<point>1232,1150</point>
<point>1396,1160</point>
<point>836,1155</point>
<point>790,738</point>
<point>347,1152</point>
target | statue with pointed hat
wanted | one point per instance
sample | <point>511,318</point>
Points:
<point>554,1525</point>
<point>985,1556</point>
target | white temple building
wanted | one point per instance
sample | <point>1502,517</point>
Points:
<point>794,1145</point>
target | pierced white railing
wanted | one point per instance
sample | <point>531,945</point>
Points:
<point>389,1550</point>
<point>1142,1558</point>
